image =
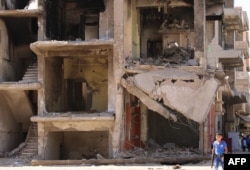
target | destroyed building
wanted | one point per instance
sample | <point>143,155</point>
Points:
<point>81,78</point>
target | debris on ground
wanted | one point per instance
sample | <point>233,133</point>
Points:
<point>157,151</point>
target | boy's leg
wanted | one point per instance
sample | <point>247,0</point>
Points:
<point>222,162</point>
<point>216,162</point>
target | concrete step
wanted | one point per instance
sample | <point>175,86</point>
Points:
<point>31,72</point>
<point>31,148</point>
<point>29,78</point>
<point>32,69</point>
<point>29,75</point>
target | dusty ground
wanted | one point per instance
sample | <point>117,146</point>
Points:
<point>18,164</point>
<point>22,164</point>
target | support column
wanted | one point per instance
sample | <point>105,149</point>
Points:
<point>200,30</point>
<point>118,71</point>
<point>41,21</point>
<point>201,139</point>
<point>206,135</point>
<point>40,92</point>
<point>144,123</point>
<point>42,139</point>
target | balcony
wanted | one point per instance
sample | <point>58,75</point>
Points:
<point>242,81</point>
<point>246,21</point>
<point>232,58</point>
<point>242,46</point>
<point>234,19</point>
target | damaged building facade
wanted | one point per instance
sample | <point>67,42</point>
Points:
<point>81,78</point>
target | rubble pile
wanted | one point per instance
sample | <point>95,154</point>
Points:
<point>157,151</point>
<point>175,55</point>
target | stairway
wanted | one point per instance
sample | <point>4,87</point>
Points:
<point>31,73</point>
<point>31,144</point>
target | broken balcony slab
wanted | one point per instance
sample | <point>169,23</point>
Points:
<point>20,13</point>
<point>238,97</point>
<point>179,90</point>
<point>72,48</point>
<point>20,85</point>
<point>70,116</point>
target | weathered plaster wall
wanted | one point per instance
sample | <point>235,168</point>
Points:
<point>84,145</point>
<point>20,106</point>
<point>94,70</point>
<point>106,21</point>
<point>53,84</point>
<point>10,130</point>
<point>6,69</point>
<point>135,25</point>
<point>52,151</point>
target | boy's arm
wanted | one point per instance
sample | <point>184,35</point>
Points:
<point>226,150</point>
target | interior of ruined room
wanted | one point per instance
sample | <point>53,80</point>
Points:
<point>80,85</point>
<point>75,19</point>
<point>59,145</point>
<point>149,130</point>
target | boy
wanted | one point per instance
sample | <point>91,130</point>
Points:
<point>219,149</point>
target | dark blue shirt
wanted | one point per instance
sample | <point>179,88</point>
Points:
<point>219,148</point>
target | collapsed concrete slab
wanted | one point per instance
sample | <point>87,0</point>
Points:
<point>180,90</point>
<point>146,100</point>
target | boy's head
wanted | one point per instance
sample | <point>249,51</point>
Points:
<point>219,136</point>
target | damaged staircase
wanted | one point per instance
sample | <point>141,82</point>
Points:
<point>31,73</point>
<point>31,143</point>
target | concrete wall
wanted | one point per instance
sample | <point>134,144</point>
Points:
<point>54,84</point>
<point>94,71</point>
<point>52,150</point>
<point>10,130</point>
